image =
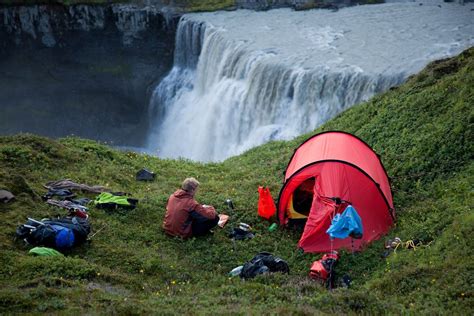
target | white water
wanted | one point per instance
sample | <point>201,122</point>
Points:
<point>243,78</point>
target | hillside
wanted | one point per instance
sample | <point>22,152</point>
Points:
<point>423,131</point>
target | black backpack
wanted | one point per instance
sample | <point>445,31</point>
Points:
<point>262,263</point>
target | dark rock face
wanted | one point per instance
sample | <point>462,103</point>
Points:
<point>82,70</point>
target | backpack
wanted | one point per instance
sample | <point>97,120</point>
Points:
<point>322,270</point>
<point>61,233</point>
<point>263,262</point>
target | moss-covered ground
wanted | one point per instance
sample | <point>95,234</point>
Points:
<point>423,131</point>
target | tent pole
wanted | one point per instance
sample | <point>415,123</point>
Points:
<point>352,246</point>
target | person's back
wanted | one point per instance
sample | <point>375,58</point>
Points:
<point>184,216</point>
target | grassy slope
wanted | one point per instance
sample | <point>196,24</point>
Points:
<point>423,131</point>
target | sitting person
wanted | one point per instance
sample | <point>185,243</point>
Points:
<point>184,216</point>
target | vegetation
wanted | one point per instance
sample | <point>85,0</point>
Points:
<point>182,5</point>
<point>206,5</point>
<point>423,131</point>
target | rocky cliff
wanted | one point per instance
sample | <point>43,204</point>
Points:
<point>83,70</point>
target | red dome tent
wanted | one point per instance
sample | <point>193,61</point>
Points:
<point>338,166</point>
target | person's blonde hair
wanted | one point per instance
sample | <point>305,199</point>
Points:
<point>190,184</point>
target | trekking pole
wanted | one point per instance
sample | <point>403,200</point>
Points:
<point>352,246</point>
<point>90,237</point>
<point>233,244</point>
<point>35,221</point>
<point>330,280</point>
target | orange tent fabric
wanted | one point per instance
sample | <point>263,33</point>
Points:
<point>344,167</point>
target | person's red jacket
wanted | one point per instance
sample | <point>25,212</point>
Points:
<point>177,220</point>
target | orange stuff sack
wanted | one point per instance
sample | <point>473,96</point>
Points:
<point>266,205</point>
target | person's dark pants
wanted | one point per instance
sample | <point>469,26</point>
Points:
<point>202,225</point>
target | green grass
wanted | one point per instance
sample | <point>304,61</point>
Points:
<point>423,131</point>
<point>204,5</point>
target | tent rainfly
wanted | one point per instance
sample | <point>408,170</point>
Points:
<point>326,173</point>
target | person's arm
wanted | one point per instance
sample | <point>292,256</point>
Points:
<point>207,211</point>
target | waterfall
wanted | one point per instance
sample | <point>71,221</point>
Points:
<point>234,99</point>
<point>222,98</point>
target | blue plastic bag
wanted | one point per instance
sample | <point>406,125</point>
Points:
<point>346,224</point>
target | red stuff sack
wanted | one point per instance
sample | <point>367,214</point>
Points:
<point>323,269</point>
<point>266,205</point>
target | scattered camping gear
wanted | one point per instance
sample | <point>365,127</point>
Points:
<point>392,245</point>
<point>63,193</point>
<point>78,213</point>
<point>61,233</point>
<point>345,281</point>
<point>74,209</point>
<point>266,205</point>
<point>323,269</point>
<point>245,227</point>
<point>230,204</point>
<point>145,175</point>
<point>93,235</point>
<point>45,252</point>
<point>81,201</point>
<point>264,262</point>
<point>6,196</point>
<point>346,224</point>
<point>343,170</point>
<point>273,227</point>
<point>66,204</point>
<point>222,220</point>
<point>67,184</point>
<point>109,201</point>
<point>240,234</point>
<point>236,271</point>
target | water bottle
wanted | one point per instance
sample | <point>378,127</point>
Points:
<point>273,227</point>
<point>229,204</point>
<point>236,271</point>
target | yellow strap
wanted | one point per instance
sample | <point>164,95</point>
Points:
<point>410,243</point>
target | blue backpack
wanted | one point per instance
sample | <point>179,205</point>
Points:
<point>64,237</point>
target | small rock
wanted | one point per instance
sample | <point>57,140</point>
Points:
<point>6,196</point>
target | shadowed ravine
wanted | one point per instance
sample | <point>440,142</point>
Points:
<point>82,70</point>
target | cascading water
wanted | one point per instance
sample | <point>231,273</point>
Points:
<point>243,78</point>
